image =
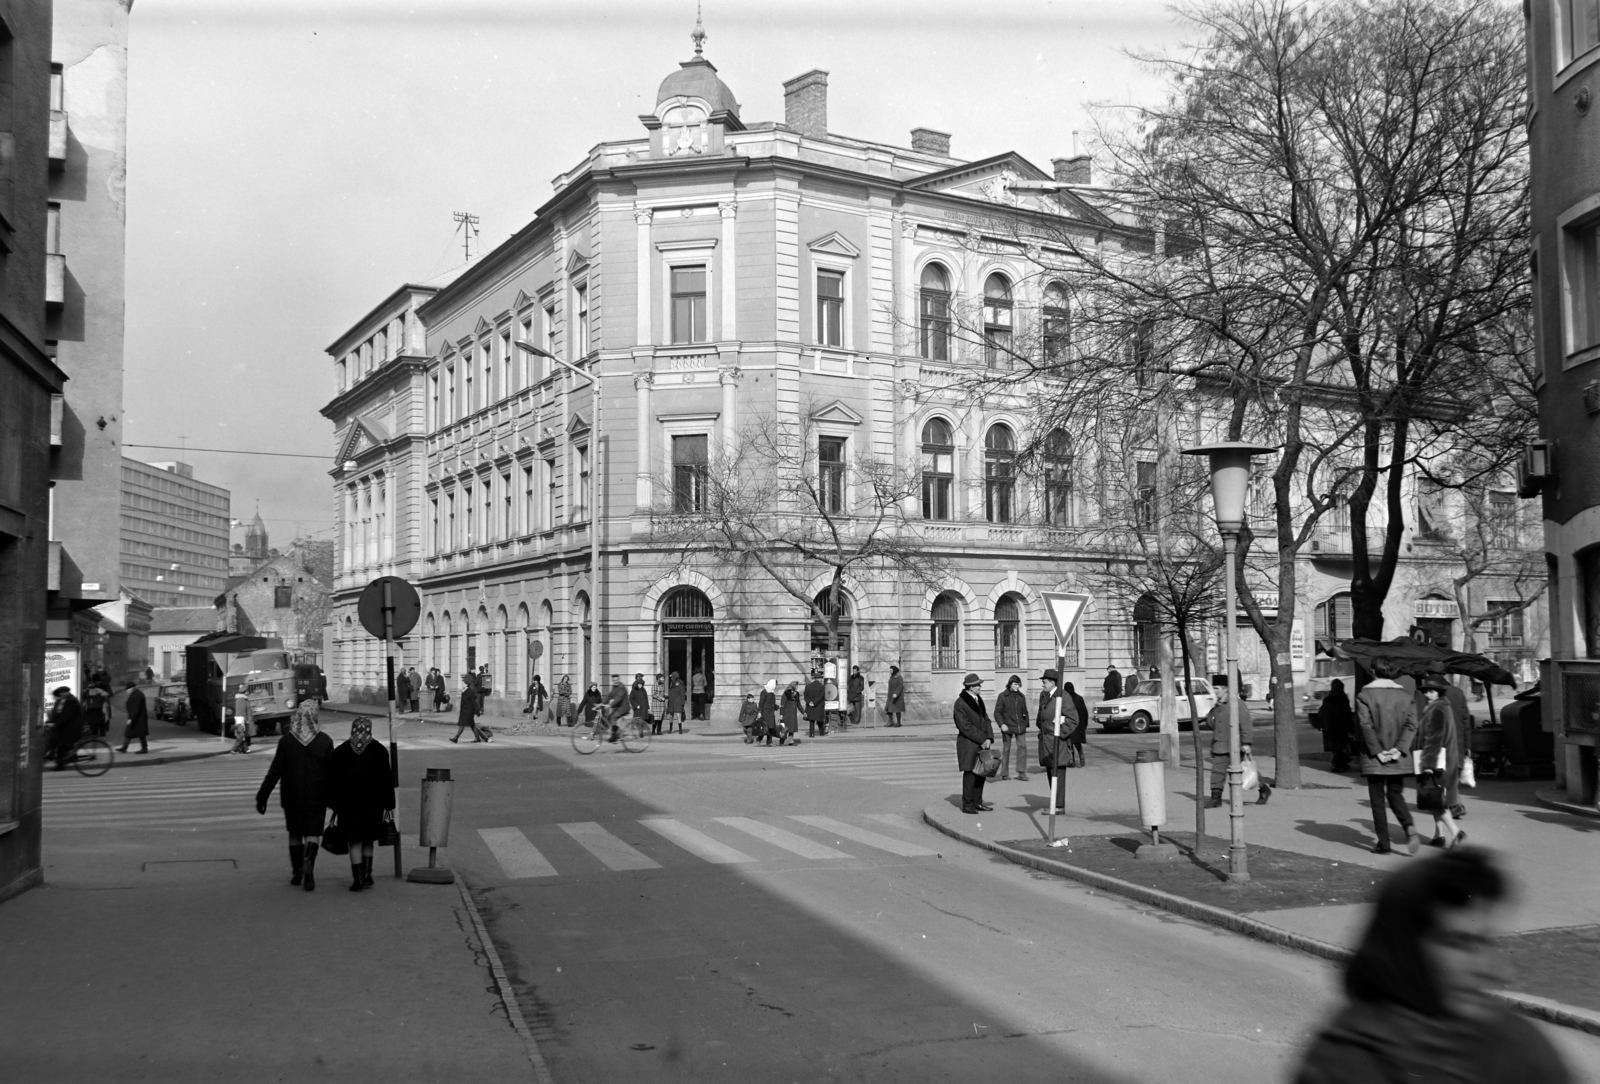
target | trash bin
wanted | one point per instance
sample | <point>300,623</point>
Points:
<point>1530,752</point>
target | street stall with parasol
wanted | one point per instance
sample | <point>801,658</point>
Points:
<point>1417,657</point>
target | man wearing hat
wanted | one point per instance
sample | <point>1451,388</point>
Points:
<point>1053,751</point>
<point>973,733</point>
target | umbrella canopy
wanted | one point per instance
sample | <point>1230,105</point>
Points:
<point>1414,658</point>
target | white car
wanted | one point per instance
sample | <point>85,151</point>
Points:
<point>1141,712</point>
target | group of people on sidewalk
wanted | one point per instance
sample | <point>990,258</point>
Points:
<point>1060,746</point>
<point>71,719</point>
<point>354,780</point>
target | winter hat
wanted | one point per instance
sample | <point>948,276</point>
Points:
<point>970,680</point>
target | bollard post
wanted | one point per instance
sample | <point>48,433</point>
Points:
<point>434,831</point>
<point>1150,783</point>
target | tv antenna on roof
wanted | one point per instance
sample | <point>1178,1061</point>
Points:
<point>467,226</point>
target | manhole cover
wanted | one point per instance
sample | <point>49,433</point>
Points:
<point>191,865</point>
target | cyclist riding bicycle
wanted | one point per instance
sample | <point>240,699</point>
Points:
<point>616,706</point>
<point>66,726</point>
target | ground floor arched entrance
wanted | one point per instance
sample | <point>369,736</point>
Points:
<point>688,644</point>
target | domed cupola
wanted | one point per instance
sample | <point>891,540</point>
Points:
<point>693,108</point>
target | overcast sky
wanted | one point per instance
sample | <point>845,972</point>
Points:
<point>290,164</point>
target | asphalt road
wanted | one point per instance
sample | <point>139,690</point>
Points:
<point>659,924</point>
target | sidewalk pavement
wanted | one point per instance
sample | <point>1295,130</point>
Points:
<point>1328,824</point>
<point>187,956</point>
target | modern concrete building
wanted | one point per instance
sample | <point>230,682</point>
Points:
<point>1564,468</point>
<point>32,387</point>
<point>174,536</point>
<point>85,300</point>
<point>720,276</point>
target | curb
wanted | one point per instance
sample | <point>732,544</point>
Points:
<point>1553,798</point>
<point>124,760</point>
<point>1553,1012</point>
<point>502,981</point>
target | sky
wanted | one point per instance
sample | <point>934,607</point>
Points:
<point>291,164</point>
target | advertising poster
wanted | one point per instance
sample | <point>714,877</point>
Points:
<point>62,666</point>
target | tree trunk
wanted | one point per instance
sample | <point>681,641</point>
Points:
<point>1169,706</point>
<point>1199,758</point>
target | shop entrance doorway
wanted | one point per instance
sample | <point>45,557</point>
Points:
<point>689,643</point>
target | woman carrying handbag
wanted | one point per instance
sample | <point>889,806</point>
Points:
<point>1439,763</point>
<point>361,792</point>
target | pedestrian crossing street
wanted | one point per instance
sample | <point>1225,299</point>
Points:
<point>188,796</point>
<point>718,841</point>
<point>908,764</point>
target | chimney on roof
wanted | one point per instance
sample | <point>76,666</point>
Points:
<point>930,141</point>
<point>1079,169</point>
<point>805,104</point>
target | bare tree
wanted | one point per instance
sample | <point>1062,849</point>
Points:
<point>770,508</point>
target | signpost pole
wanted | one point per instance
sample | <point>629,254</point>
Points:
<point>1061,666</point>
<point>1066,609</point>
<point>394,750</point>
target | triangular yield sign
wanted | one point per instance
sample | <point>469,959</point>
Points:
<point>1065,610</point>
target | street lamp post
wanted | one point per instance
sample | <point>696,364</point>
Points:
<point>1230,477</point>
<point>599,489</point>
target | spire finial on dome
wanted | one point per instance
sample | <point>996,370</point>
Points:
<point>699,34</point>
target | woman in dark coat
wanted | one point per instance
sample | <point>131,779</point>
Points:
<point>895,705</point>
<point>591,701</point>
<point>1440,737</point>
<point>791,712</point>
<point>767,708</point>
<point>1081,731</point>
<point>1420,1007</point>
<point>1011,715</point>
<point>301,765</point>
<point>639,699</point>
<point>1338,725</point>
<point>96,711</point>
<point>361,792</point>
<point>564,701</point>
<point>677,697</point>
<point>467,716</point>
<point>973,732</point>
<point>138,720</point>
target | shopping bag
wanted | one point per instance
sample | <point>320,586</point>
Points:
<point>988,764</point>
<point>334,841</point>
<point>1469,773</point>
<point>391,835</point>
<point>1430,792</point>
<point>1252,778</point>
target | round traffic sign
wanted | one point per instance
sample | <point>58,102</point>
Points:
<point>398,598</point>
<point>535,648</point>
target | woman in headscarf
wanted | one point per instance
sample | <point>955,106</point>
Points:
<point>894,706</point>
<point>1440,759</point>
<point>361,792</point>
<point>768,710</point>
<point>1338,725</point>
<point>1420,1007</point>
<point>639,699</point>
<point>591,701</point>
<point>658,703</point>
<point>301,765</point>
<point>564,701</point>
<point>471,704</point>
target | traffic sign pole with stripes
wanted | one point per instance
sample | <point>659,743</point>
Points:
<point>1066,609</point>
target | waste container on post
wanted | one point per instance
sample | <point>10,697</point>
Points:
<point>1150,783</point>
<point>434,831</point>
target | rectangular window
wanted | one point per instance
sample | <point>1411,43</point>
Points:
<point>1431,524</point>
<point>581,322</point>
<point>527,499</point>
<point>58,90</point>
<point>999,486</point>
<point>1144,495</point>
<point>486,521</point>
<point>339,369</point>
<point>487,391</point>
<point>508,365</point>
<point>1058,491</point>
<point>433,521</point>
<point>434,419</point>
<point>688,304</point>
<point>52,228</point>
<point>830,308</point>
<point>1504,627</point>
<point>550,330</point>
<point>451,412</point>
<point>830,473</point>
<point>283,598</point>
<point>938,480</point>
<point>1501,508</point>
<point>935,324</point>
<point>1008,644</point>
<point>529,363</point>
<point>450,521</point>
<point>1580,271</point>
<point>580,503</point>
<point>508,517</point>
<point>548,519</point>
<point>943,642</point>
<point>1580,28</point>
<point>1144,351</point>
<point>467,507</point>
<point>690,473</point>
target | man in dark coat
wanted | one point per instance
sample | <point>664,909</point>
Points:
<point>138,720</point>
<point>616,706</point>
<point>816,714</point>
<point>894,705</point>
<point>973,732</point>
<point>402,690</point>
<point>1338,725</point>
<point>1011,715</point>
<point>66,725</point>
<point>1386,717</point>
<point>414,679</point>
<point>1053,751</point>
<point>1081,731</point>
<point>857,694</point>
<point>1113,686</point>
<point>435,684</point>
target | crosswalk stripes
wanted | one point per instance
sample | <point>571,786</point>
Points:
<point>186,796</point>
<point>519,859</point>
<point>608,848</point>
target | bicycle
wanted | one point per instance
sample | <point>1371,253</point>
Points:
<point>91,756</point>
<point>588,737</point>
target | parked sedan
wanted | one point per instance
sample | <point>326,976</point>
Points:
<point>1142,711</point>
<point>172,702</point>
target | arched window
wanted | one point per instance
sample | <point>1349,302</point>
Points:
<point>938,469</point>
<point>943,635</point>
<point>997,322</point>
<point>1146,634</point>
<point>1057,458</point>
<point>1057,322</point>
<point>1008,632</point>
<point>999,479</point>
<point>686,602</point>
<point>934,313</point>
<point>586,642</point>
<point>504,664</point>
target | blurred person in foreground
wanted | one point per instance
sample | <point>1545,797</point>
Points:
<point>1420,1009</point>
